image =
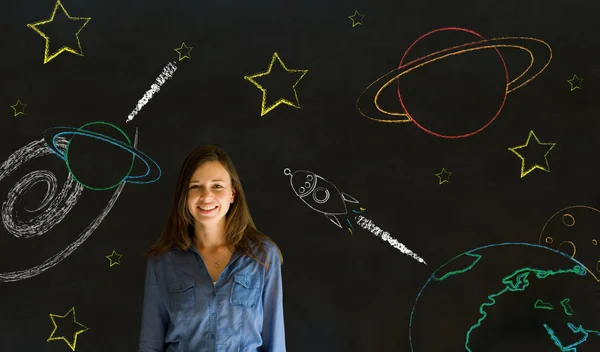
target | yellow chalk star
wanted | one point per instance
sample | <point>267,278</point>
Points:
<point>253,78</point>
<point>114,254</point>
<point>186,49</point>
<point>34,26</point>
<point>444,176</point>
<point>535,166</point>
<point>19,108</point>
<point>356,22</point>
<point>72,344</point>
<point>575,82</point>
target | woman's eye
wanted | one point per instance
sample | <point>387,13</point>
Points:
<point>218,186</point>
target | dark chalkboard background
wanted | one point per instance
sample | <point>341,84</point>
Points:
<point>342,292</point>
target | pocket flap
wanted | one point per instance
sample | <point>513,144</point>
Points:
<point>181,285</point>
<point>245,280</point>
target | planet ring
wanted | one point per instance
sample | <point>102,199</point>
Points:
<point>51,134</point>
<point>502,42</point>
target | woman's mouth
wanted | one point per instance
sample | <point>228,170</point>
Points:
<point>206,209</point>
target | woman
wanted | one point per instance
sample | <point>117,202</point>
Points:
<point>213,282</point>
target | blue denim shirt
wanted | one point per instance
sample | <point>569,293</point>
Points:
<point>184,311</point>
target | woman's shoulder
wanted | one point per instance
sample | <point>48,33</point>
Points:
<point>272,251</point>
<point>269,245</point>
<point>259,239</point>
<point>260,244</point>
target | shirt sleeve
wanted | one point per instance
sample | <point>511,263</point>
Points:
<point>154,314</point>
<point>273,333</point>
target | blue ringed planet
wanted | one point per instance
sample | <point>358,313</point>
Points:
<point>51,134</point>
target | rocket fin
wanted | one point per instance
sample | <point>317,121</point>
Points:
<point>348,198</point>
<point>334,220</point>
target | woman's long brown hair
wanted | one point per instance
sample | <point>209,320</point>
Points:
<point>240,231</point>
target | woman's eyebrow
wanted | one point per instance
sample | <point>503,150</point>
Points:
<point>216,180</point>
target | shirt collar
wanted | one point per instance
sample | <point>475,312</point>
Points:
<point>234,256</point>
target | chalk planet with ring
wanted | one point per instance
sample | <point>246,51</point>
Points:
<point>152,167</point>
<point>371,94</point>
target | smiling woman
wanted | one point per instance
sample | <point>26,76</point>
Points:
<point>213,281</point>
<point>208,199</point>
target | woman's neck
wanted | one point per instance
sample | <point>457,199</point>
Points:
<point>210,236</point>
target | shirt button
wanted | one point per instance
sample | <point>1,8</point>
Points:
<point>181,287</point>
<point>214,293</point>
<point>212,336</point>
<point>214,314</point>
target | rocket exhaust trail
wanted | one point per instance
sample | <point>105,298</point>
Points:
<point>167,73</point>
<point>374,229</point>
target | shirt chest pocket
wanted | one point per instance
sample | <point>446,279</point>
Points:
<point>245,291</point>
<point>182,295</point>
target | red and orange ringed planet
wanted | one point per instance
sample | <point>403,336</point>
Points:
<point>371,94</point>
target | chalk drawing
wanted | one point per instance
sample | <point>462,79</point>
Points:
<point>575,82</point>
<point>114,258</point>
<point>19,108</point>
<point>255,78</point>
<point>370,96</point>
<point>184,51</point>
<point>573,230</point>
<point>357,18</point>
<point>70,340</point>
<point>35,26</point>
<point>544,166</point>
<point>324,197</point>
<point>444,176</point>
<point>166,73</point>
<point>53,208</point>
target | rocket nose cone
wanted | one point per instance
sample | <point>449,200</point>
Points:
<point>302,182</point>
<point>293,181</point>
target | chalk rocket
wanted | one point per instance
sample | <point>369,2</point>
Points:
<point>319,194</point>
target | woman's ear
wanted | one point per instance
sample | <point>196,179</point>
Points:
<point>232,195</point>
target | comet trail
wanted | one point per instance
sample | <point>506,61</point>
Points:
<point>374,229</point>
<point>155,87</point>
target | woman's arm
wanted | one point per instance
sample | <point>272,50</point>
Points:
<point>154,314</point>
<point>273,334</point>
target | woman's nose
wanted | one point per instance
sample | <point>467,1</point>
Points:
<point>204,194</point>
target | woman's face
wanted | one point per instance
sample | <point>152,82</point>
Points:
<point>210,193</point>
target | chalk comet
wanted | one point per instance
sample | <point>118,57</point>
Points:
<point>155,87</point>
<point>374,229</point>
